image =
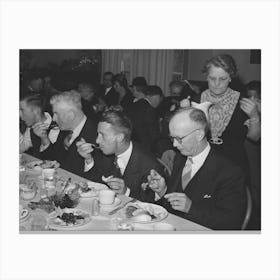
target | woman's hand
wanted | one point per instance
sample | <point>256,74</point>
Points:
<point>249,107</point>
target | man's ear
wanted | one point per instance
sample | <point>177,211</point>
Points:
<point>71,115</point>
<point>36,111</point>
<point>120,137</point>
<point>200,134</point>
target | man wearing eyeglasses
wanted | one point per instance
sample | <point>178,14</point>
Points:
<point>204,186</point>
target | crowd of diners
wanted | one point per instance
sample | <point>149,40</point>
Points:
<point>120,131</point>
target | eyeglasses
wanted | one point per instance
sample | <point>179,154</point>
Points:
<point>180,139</point>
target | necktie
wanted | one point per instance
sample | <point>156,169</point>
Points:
<point>186,174</point>
<point>117,170</point>
<point>67,139</point>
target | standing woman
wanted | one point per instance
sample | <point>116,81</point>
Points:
<point>229,113</point>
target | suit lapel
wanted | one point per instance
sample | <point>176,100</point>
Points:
<point>202,176</point>
<point>132,165</point>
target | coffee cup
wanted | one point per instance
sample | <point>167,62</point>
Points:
<point>106,197</point>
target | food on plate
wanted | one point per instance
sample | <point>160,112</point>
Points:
<point>44,204</point>
<point>144,212</point>
<point>49,204</point>
<point>70,217</point>
<point>129,211</point>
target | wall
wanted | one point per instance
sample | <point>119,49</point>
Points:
<point>196,59</point>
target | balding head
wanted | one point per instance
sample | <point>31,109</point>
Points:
<point>188,128</point>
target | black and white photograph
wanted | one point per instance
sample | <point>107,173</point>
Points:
<point>120,140</point>
<point>139,139</point>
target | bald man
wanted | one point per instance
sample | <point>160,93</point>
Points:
<point>204,187</point>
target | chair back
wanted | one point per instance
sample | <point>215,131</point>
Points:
<point>248,210</point>
<point>166,168</point>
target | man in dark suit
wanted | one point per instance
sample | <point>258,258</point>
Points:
<point>73,125</point>
<point>33,115</point>
<point>126,164</point>
<point>107,91</point>
<point>204,186</point>
<point>145,119</point>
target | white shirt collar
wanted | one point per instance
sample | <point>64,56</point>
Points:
<point>124,158</point>
<point>201,156</point>
<point>198,160</point>
<point>148,101</point>
<point>107,90</point>
<point>77,130</point>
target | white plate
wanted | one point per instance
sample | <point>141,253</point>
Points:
<point>110,207</point>
<point>56,224</point>
<point>156,210</point>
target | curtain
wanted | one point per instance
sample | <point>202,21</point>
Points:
<point>155,65</point>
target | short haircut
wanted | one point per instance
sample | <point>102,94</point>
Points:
<point>224,61</point>
<point>33,100</point>
<point>108,73</point>
<point>115,116</point>
<point>121,79</point>
<point>195,115</point>
<point>72,98</point>
<point>153,90</point>
<point>140,83</point>
<point>176,83</point>
<point>254,85</point>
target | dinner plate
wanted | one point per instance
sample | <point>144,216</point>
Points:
<point>158,211</point>
<point>57,223</point>
<point>110,207</point>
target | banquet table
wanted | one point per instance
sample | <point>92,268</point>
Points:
<point>101,223</point>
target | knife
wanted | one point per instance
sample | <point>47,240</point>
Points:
<point>122,206</point>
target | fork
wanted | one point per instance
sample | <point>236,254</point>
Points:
<point>122,206</point>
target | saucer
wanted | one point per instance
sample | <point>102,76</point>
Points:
<point>116,203</point>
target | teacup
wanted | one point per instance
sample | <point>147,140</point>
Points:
<point>164,226</point>
<point>106,197</point>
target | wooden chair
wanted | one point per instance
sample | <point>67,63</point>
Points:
<point>166,168</point>
<point>249,209</point>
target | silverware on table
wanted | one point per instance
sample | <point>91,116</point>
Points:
<point>122,206</point>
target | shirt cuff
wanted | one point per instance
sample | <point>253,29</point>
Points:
<point>88,166</point>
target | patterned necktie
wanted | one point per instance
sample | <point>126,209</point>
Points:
<point>67,139</point>
<point>186,174</point>
<point>117,170</point>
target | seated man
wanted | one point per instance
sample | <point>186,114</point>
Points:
<point>204,186</point>
<point>33,115</point>
<point>73,125</point>
<point>126,164</point>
